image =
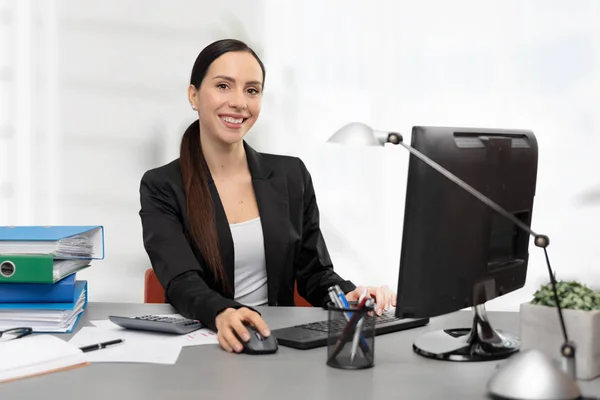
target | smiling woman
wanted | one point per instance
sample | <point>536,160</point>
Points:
<point>227,228</point>
<point>228,100</point>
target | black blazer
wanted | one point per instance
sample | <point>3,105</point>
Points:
<point>295,250</point>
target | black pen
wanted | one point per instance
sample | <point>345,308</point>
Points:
<point>102,345</point>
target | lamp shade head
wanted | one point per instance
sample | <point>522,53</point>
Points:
<point>355,133</point>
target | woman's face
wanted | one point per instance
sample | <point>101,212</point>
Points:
<point>229,98</point>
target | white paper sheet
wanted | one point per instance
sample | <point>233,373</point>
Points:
<point>36,354</point>
<point>195,338</point>
<point>134,349</point>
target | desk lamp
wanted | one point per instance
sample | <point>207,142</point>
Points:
<point>513,380</point>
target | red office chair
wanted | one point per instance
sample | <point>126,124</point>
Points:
<point>154,292</point>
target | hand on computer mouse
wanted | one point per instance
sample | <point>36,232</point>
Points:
<point>384,297</point>
<point>230,325</point>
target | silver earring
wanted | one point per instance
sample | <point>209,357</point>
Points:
<point>194,108</point>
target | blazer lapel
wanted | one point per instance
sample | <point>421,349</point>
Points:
<point>272,199</point>
<point>273,206</point>
<point>223,232</point>
<point>225,239</point>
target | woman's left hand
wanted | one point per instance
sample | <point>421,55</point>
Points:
<point>384,297</point>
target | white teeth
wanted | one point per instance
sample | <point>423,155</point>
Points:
<point>232,120</point>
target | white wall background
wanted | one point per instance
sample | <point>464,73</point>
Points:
<point>94,94</point>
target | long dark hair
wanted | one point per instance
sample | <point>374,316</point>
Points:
<point>195,172</point>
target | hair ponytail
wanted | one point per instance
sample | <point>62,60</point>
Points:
<point>199,204</point>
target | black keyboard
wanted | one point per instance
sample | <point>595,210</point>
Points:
<point>314,334</point>
<point>338,325</point>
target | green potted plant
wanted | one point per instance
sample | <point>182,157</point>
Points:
<point>540,325</point>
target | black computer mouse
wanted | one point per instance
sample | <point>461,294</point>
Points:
<point>259,344</point>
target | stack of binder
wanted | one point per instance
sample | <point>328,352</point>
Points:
<point>38,268</point>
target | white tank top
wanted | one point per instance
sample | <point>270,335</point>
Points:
<point>250,277</point>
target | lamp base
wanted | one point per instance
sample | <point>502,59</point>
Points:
<point>531,375</point>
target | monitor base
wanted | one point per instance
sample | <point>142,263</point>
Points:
<point>480,343</point>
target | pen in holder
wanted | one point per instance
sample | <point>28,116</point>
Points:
<point>351,341</point>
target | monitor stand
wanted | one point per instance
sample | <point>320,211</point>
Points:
<point>479,343</point>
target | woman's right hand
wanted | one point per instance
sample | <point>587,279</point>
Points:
<point>230,322</point>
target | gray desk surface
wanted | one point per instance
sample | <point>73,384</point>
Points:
<point>207,372</point>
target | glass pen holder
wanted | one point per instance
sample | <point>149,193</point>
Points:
<point>350,336</point>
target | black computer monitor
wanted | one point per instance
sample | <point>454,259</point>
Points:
<point>456,251</point>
